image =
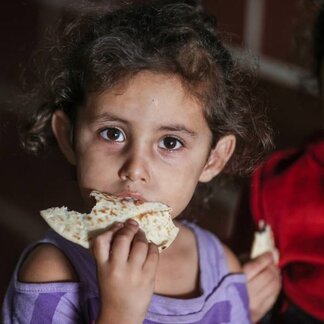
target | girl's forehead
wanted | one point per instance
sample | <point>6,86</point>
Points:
<point>147,97</point>
<point>144,88</point>
<point>145,77</point>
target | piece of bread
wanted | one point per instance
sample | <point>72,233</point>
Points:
<point>264,242</point>
<point>153,217</point>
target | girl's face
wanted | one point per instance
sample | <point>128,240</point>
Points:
<point>146,139</point>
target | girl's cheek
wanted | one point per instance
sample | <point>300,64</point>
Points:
<point>172,157</point>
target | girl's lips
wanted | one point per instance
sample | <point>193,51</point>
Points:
<point>130,195</point>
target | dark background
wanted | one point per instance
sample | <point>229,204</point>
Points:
<point>274,33</point>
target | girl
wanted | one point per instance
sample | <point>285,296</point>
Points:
<point>142,102</point>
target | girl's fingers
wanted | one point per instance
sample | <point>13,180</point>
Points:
<point>152,259</point>
<point>257,265</point>
<point>122,241</point>
<point>139,249</point>
<point>263,296</point>
<point>267,280</point>
<point>100,245</point>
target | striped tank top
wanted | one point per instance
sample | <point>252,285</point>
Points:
<point>223,297</point>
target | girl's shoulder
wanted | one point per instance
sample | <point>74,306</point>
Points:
<point>53,280</point>
<point>44,288</point>
<point>55,259</point>
<point>46,263</point>
<point>232,261</point>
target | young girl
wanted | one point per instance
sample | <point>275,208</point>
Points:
<point>142,102</point>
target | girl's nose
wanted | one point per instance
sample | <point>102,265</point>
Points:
<point>134,169</point>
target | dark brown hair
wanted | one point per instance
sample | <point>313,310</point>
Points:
<point>97,50</point>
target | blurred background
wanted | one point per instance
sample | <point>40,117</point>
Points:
<point>271,35</point>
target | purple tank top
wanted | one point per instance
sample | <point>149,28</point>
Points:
<point>223,296</point>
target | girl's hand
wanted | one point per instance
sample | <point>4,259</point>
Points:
<point>263,283</point>
<point>126,268</point>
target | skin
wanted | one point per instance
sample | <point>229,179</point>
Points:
<point>145,138</point>
<point>264,284</point>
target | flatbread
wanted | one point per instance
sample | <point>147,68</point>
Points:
<point>153,217</point>
<point>264,242</point>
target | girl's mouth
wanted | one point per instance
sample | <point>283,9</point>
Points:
<point>130,195</point>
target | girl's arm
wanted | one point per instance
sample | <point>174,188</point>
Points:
<point>126,267</point>
<point>46,290</point>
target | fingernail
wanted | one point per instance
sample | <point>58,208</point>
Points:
<point>132,222</point>
<point>119,224</point>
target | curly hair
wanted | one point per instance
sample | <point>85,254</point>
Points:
<point>97,50</point>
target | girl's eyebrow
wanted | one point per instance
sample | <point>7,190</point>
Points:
<point>178,128</point>
<point>105,117</point>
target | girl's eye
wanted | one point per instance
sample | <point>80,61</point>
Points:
<point>170,143</point>
<point>113,135</point>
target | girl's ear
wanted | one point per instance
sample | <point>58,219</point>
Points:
<point>62,130</point>
<point>218,157</point>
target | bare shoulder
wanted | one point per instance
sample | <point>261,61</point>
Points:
<point>232,261</point>
<point>46,263</point>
